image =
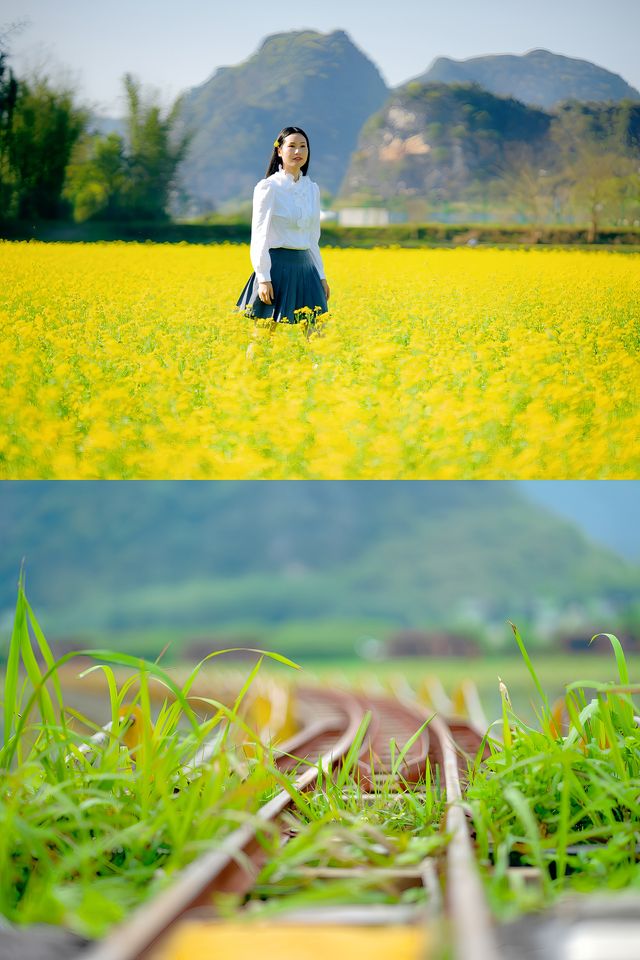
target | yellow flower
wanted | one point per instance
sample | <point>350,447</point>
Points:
<point>129,361</point>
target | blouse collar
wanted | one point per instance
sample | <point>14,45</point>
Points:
<point>288,178</point>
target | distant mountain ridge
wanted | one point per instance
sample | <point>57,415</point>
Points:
<point>325,83</point>
<point>322,83</point>
<point>539,78</point>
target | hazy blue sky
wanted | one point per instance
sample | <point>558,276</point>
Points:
<point>175,45</point>
<point>607,510</point>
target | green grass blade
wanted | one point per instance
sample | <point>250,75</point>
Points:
<point>530,668</point>
<point>410,742</point>
<point>150,668</point>
<point>46,652</point>
<point>621,662</point>
<point>12,673</point>
<point>353,753</point>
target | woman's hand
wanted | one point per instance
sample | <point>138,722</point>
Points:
<point>325,287</point>
<point>265,291</point>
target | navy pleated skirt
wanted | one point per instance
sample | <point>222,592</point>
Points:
<point>297,291</point>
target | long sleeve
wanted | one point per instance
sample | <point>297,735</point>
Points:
<point>260,223</point>
<point>314,247</point>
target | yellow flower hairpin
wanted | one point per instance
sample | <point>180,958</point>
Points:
<point>275,143</point>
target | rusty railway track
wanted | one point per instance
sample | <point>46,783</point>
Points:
<point>332,722</point>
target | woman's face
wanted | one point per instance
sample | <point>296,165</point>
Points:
<point>294,152</point>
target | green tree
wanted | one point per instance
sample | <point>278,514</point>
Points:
<point>8,98</point>
<point>45,125</point>
<point>597,178</point>
<point>97,178</point>
<point>154,154</point>
<point>598,160</point>
<point>526,183</point>
<point>116,178</point>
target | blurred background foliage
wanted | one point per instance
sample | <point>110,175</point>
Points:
<point>54,166</point>
<point>319,569</point>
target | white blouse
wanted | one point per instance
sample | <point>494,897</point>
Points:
<point>286,213</point>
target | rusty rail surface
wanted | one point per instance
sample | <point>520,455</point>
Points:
<point>470,920</point>
<point>334,719</point>
<point>392,725</point>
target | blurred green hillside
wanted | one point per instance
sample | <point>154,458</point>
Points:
<point>193,559</point>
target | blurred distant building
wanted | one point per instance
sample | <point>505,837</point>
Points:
<point>579,641</point>
<point>369,217</point>
<point>432,643</point>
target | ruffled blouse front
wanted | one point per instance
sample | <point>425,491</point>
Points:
<point>286,213</point>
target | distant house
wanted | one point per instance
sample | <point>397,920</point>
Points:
<point>575,641</point>
<point>432,643</point>
<point>369,217</point>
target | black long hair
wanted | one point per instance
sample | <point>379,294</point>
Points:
<point>275,162</point>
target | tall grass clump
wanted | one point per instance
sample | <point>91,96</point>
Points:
<point>95,820</point>
<point>561,798</point>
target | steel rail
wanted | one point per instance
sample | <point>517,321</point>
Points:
<point>231,865</point>
<point>472,929</point>
<point>467,696</point>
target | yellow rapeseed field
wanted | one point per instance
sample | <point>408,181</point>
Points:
<point>128,360</point>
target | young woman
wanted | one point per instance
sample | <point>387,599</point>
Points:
<point>288,283</point>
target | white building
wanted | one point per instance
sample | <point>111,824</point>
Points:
<point>368,217</point>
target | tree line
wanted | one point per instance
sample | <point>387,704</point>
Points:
<point>590,167</point>
<point>55,165</point>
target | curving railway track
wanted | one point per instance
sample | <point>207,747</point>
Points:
<point>332,725</point>
<point>389,740</point>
